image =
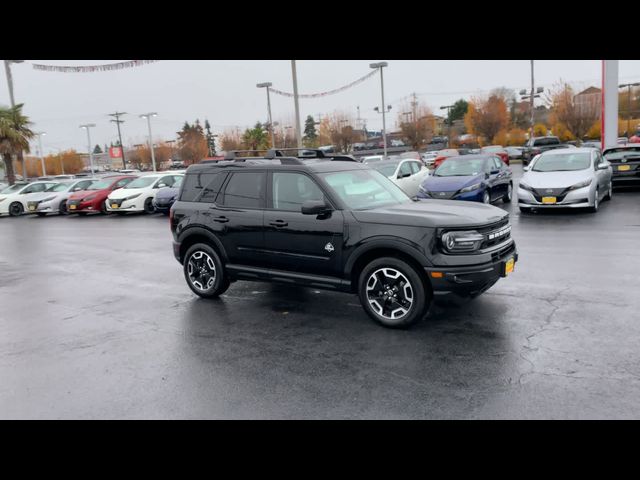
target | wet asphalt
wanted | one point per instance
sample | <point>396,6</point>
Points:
<point>96,322</point>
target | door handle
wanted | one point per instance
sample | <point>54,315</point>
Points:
<point>278,223</point>
<point>221,219</point>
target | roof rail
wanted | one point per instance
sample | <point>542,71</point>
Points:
<point>302,153</point>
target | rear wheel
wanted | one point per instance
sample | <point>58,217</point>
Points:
<point>204,272</point>
<point>16,209</point>
<point>392,293</point>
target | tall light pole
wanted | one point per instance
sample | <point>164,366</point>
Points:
<point>148,117</point>
<point>380,66</point>
<point>295,101</point>
<point>87,127</point>
<point>267,85</point>
<point>44,168</point>
<point>628,86</point>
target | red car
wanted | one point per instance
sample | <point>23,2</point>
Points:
<point>497,150</point>
<point>635,138</point>
<point>443,155</point>
<point>92,199</point>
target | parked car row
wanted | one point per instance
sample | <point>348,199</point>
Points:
<point>111,193</point>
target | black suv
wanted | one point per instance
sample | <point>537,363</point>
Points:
<point>334,223</point>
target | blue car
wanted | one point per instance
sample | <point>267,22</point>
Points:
<point>166,196</point>
<point>475,178</point>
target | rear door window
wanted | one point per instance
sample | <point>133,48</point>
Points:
<point>202,187</point>
<point>245,190</point>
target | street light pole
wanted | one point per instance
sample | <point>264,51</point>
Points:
<point>148,117</point>
<point>87,127</point>
<point>380,66</point>
<point>44,168</point>
<point>295,100</point>
<point>267,85</point>
<point>448,107</point>
<point>117,121</point>
<point>628,86</point>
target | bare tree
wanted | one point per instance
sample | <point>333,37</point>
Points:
<point>417,124</point>
<point>340,129</point>
<point>577,112</point>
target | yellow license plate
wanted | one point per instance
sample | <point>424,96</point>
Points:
<point>624,168</point>
<point>115,205</point>
<point>32,207</point>
<point>72,207</point>
<point>549,200</point>
<point>508,267</point>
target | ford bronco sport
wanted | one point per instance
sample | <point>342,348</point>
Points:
<point>333,223</point>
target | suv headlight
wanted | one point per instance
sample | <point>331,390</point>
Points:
<point>462,241</point>
<point>524,186</point>
<point>131,197</point>
<point>582,184</point>
<point>471,188</point>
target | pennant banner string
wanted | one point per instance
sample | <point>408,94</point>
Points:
<point>92,68</point>
<point>330,92</point>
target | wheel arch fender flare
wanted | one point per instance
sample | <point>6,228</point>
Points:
<point>199,231</point>
<point>389,243</point>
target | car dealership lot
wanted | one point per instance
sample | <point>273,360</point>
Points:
<point>97,322</point>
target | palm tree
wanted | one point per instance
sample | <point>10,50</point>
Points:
<point>14,136</point>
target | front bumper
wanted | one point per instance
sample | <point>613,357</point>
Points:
<point>133,205</point>
<point>579,198</point>
<point>162,206</point>
<point>470,280</point>
<point>41,207</point>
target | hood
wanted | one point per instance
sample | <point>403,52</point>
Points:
<point>37,197</point>
<point>128,192</point>
<point>433,213</point>
<point>450,184</point>
<point>80,194</point>
<point>167,192</point>
<point>556,179</point>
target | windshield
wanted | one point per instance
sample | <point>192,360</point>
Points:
<point>13,188</point>
<point>100,185</point>
<point>460,167</point>
<point>177,183</point>
<point>61,187</point>
<point>562,163</point>
<point>365,189</point>
<point>141,182</point>
<point>620,154</point>
<point>387,169</point>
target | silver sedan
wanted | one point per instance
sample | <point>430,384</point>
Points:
<point>574,178</point>
<point>54,199</point>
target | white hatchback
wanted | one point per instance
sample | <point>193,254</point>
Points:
<point>407,173</point>
<point>13,200</point>
<point>139,194</point>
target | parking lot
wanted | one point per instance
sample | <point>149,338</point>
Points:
<point>98,322</point>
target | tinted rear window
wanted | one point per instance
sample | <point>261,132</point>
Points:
<point>202,187</point>
<point>245,190</point>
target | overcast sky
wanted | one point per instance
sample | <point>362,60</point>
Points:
<point>225,92</point>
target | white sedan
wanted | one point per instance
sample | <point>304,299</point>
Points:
<point>408,174</point>
<point>13,200</point>
<point>139,194</point>
<point>54,199</point>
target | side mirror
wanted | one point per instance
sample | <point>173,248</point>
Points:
<point>603,166</point>
<point>161,185</point>
<point>314,207</point>
<point>526,169</point>
<point>404,175</point>
<point>495,172</point>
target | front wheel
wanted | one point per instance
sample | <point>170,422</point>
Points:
<point>204,272</point>
<point>609,194</point>
<point>486,198</point>
<point>148,206</point>
<point>596,202</point>
<point>508,195</point>
<point>392,293</point>
<point>62,208</point>
<point>16,209</point>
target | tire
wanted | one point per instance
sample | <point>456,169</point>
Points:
<point>525,210</point>
<point>405,288</point>
<point>609,194</point>
<point>148,206</point>
<point>103,208</point>
<point>486,197</point>
<point>596,202</point>
<point>16,209</point>
<point>202,264</point>
<point>62,208</point>
<point>507,197</point>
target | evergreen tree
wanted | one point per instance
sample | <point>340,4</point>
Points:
<point>458,111</point>
<point>211,140</point>
<point>310,134</point>
<point>97,149</point>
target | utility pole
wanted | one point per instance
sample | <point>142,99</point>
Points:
<point>117,121</point>
<point>448,107</point>
<point>531,100</point>
<point>380,66</point>
<point>7,68</point>
<point>414,104</point>
<point>44,168</point>
<point>268,85</point>
<point>628,86</point>
<point>295,99</point>
<point>153,155</point>
<point>87,127</point>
